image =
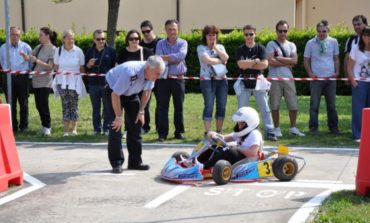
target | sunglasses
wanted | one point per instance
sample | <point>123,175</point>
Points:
<point>282,31</point>
<point>100,39</point>
<point>248,34</point>
<point>146,31</point>
<point>133,39</point>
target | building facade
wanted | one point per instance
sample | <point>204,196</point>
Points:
<point>87,15</point>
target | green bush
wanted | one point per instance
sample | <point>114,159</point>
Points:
<point>231,41</point>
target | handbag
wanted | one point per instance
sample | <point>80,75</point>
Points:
<point>262,84</point>
<point>218,70</point>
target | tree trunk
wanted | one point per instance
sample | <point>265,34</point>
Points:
<point>113,9</point>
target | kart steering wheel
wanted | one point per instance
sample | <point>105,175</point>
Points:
<point>219,140</point>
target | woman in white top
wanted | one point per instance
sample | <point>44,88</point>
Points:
<point>213,86</point>
<point>359,67</point>
<point>69,59</point>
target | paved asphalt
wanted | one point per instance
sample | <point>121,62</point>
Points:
<point>79,188</point>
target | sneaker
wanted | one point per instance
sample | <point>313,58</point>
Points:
<point>95,133</point>
<point>65,134</point>
<point>46,131</point>
<point>271,137</point>
<point>277,132</point>
<point>358,140</point>
<point>74,133</point>
<point>295,131</point>
<point>106,133</point>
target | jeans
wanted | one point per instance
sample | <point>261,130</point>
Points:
<point>166,88</point>
<point>131,105</point>
<point>42,105</point>
<point>96,93</point>
<point>360,100</point>
<point>212,89</point>
<point>328,88</point>
<point>262,102</point>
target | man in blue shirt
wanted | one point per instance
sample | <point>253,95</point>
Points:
<point>100,58</point>
<point>173,51</point>
<point>20,82</point>
<point>124,83</point>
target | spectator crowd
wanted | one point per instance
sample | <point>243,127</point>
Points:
<point>110,93</point>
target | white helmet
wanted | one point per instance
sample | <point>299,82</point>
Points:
<point>248,115</point>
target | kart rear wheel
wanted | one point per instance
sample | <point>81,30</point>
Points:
<point>180,156</point>
<point>285,168</point>
<point>222,172</point>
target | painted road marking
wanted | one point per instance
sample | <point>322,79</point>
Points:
<point>167,196</point>
<point>314,185</point>
<point>309,184</point>
<point>106,174</point>
<point>303,213</point>
<point>36,184</point>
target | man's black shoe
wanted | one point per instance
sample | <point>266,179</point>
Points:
<point>23,129</point>
<point>179,136</point>
<point>139,167</point>
<point>335,131</point>
<point>161,138</point>
<point>117,170</point>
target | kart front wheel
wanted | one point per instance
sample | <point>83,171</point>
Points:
<point>180,156</point>
<point>285,168</point>
<point>222,172</point>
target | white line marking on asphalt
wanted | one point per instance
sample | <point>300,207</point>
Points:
<point>106,174</point>
<point>186,145</point>
<point>320,181</point>
<point>303,213</point>
<point>313,185</point>
<point>307,208</point>
<point>36,184</point>
<point>166,196</point>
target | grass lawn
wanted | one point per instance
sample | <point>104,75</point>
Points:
<point>344,207</point>
<point>193,109</point>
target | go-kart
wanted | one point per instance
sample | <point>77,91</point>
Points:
<point>182,167</point>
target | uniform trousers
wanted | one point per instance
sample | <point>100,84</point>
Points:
<point>131,105</point>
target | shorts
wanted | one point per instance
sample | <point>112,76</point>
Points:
<point>283,88</point>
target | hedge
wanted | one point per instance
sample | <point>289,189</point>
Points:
<point>231,41</point>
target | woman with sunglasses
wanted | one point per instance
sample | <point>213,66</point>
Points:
<point>133,51</point>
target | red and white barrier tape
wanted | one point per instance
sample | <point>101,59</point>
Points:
<point>188,77</point>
